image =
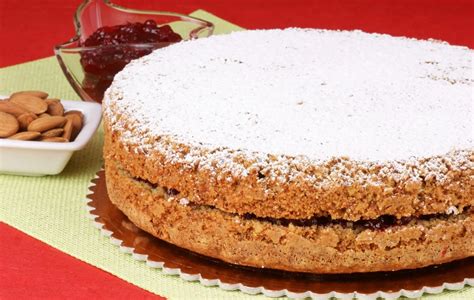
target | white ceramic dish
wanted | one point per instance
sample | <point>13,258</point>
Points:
<point>33,158</point>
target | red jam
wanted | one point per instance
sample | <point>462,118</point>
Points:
<point>118,46</point>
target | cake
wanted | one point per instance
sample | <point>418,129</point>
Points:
<point>299,150</point>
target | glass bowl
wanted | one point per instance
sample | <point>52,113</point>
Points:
<point>93,14</point>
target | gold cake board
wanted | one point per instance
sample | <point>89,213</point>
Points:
<point>210,272</point>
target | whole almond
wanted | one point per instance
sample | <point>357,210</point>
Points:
<point>55,108</point>
<point>44,115</point>
<point>53,132</point>
<point>25,120</point>
<point>11,108</point>
<point>44,124</point>
<point>76,124</point>
<point>31,103</point>
<point>57,139</point>
<point>74,112</point>
<point>68,128</point>
<point>38,94</point>
<point>8,125</point>
<point>25,136</point>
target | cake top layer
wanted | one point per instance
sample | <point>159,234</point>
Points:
<point>315,93</point>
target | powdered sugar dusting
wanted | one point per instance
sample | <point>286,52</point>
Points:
<point>311,95</point>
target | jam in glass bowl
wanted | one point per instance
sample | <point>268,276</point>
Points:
<point>109,36</point>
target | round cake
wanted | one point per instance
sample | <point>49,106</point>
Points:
<point>300,149</point>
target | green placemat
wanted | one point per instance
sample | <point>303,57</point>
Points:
<point>51,209</point>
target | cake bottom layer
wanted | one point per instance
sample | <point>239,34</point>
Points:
<point>324,249</point>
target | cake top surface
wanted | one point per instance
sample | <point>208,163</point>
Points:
<point>315,93</point>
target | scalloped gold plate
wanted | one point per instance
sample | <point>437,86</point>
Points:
<point>210,272</point>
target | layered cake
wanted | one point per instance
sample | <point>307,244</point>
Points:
<point>299,149</point>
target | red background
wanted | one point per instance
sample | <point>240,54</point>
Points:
<point>30,29</point>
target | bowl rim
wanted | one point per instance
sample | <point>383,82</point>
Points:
<point>92,116</point>
<point>65,46</point>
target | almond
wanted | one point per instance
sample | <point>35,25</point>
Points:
<point>8,125</point>
<point>57,139</point>
<point>31,103</point>
<point>55,108</point>
<point>25,120</point>
<point>44,124</point>
<point>68,128</point>
<point>44,115</point>
<point>76,123</point>
<point>11,108</point>
<point>74,112</point>
<point>25,136</point>
<point>53,132</point>
<point>38,94</point>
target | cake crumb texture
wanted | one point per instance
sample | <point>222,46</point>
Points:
<point>314,249</point>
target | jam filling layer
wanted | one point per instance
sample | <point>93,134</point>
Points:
<point>381,223</point>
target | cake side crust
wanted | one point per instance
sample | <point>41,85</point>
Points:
<point>311,189</point>
<point>316,249</point>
